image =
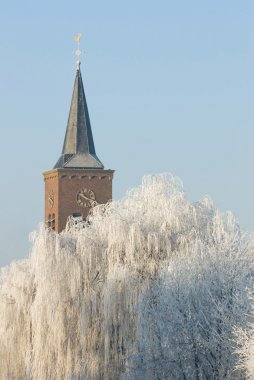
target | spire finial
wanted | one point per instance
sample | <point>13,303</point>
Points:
<point>78,52</point>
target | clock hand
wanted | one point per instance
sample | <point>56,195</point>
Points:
<point>84,197</point>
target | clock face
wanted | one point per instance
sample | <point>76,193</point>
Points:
<point>51,199</point>
<point>86,198</point>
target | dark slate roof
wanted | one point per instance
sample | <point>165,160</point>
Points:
<point>78,149</point>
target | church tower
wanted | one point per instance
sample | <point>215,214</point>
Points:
<point>78,180</point>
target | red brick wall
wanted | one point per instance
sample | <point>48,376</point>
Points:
<point>51,184</point>
<point>66,184</point>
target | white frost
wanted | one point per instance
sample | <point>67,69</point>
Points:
<point>151,288</point>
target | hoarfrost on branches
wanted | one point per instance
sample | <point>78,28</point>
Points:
<point>151,287</point>
<point>245,340</point>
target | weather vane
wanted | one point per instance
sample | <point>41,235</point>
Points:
<point>78,52</point>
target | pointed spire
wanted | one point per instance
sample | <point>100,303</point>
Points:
<point>78,149</point>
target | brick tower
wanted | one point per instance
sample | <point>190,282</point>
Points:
<point>78,181</point>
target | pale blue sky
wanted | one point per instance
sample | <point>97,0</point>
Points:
<point>169,86</point>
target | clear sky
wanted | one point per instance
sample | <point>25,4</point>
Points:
<point>169,86</point>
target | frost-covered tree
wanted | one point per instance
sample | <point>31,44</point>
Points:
<point>150,287</point>
<point>245,344</point>
<point>187,318</point>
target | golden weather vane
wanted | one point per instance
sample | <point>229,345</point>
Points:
<point>78,52</point>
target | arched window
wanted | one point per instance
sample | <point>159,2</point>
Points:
<point>77,217</point>
<point>49,220</point>
<point>53,222</point>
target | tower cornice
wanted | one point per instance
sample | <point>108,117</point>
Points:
<point>78,170</point>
